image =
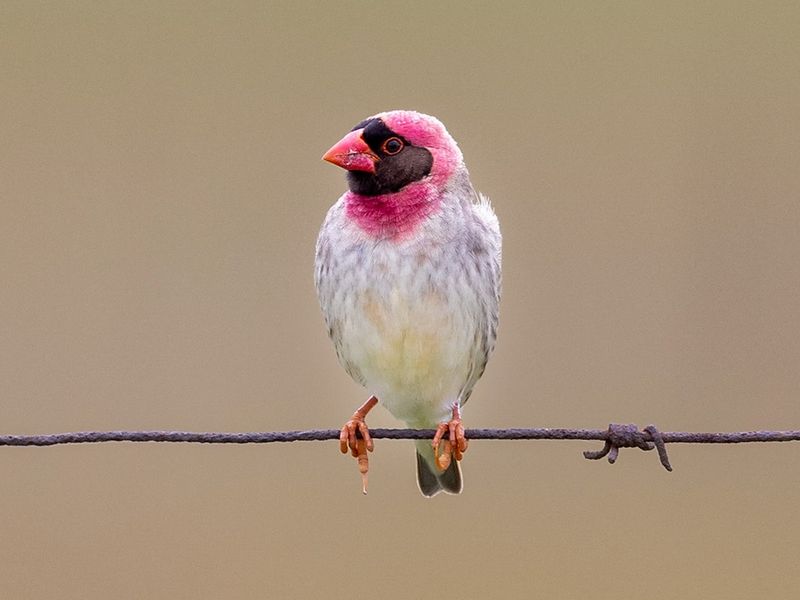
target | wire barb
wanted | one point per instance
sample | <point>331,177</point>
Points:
<point>629,436</point>
<point>661,447</point>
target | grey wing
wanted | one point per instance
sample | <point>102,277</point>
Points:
<point>484,246</point>
<point>332,290</point>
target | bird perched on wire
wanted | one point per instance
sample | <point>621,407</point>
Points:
<point>408,277</point>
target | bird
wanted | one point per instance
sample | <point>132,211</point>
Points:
<point>408,276</point>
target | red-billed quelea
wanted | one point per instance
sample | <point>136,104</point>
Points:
<point>408,277</point>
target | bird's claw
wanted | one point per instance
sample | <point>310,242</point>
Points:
<point>455,444</point>
<point>355,437</point>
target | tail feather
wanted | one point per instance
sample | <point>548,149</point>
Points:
<point>430,480</point>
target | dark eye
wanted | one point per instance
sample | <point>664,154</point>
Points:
<point>392,146</point>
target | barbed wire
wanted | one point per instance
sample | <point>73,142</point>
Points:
<point>615,437</point>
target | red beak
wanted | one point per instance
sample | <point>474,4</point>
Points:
<point>352,153</point>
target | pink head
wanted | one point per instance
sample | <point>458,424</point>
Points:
<point>398,164</point>
<point>427,132</point>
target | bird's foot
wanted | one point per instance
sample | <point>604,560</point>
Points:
<point>455,444</point>
<point>355,436</point>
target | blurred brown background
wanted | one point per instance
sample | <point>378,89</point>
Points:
<point>160,196</point>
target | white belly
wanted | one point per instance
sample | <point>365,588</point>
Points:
<point>412,345</point>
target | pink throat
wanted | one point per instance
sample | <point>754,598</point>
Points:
<point>393,216</point>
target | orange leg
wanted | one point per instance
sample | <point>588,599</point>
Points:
<point>359,446</point>
<point>454,445</point>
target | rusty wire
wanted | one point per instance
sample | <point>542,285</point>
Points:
<point>614,438</point>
